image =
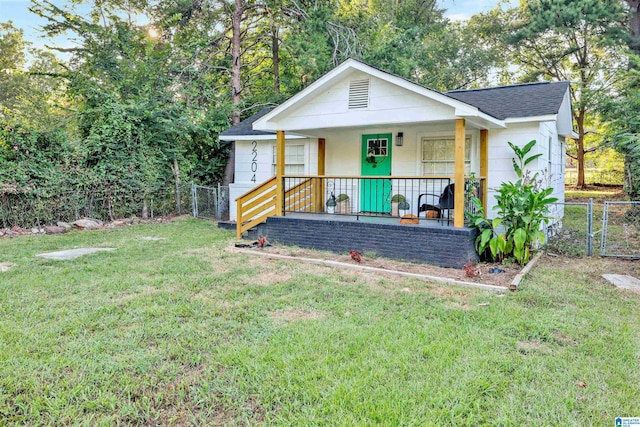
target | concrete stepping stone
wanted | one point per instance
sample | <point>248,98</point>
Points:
<point>152,238</point>
<point>72,253</point>
<point>623,281</point>
<point>5,266</point>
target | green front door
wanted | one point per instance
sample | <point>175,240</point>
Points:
<point>375,194</point>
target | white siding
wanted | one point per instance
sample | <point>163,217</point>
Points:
<point>500,155</point>
<point>343,150</point>
<point>263,165</point>
<point>388,104</point>
<point>343,154</point>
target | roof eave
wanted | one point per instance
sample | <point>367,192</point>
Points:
<point>266,137</point>
<point>544,118</point>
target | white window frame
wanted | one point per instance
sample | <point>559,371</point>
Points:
<point>304,163</point>
<point>448,137</point>
<point>381,151</point>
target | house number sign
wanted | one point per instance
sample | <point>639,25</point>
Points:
<point>254,160</point>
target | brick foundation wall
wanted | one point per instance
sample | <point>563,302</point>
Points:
<point>441,246</point>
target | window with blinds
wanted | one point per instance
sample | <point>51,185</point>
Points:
<point>293,159</point>
<point>438,156</point>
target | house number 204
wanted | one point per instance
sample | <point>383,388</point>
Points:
<point>254,160</point>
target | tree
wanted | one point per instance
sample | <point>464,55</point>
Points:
<point>621,109</point>
<point>577,41</point>
<point>12,62</point>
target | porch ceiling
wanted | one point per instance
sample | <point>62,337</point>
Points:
<point>323,131</point>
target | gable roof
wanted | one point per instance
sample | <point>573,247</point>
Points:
<point>522,100</point>
<point>271,120</point>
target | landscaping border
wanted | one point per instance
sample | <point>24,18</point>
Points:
<point>338,264</point>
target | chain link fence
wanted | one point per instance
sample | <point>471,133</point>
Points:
<point>621,230</point>
<point>571,229</point>
<point>210,202</point>
<point>40,207</point>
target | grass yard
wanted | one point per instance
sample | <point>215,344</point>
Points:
<point>182,331</point>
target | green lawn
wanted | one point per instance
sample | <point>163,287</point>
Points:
<point>182,331</point>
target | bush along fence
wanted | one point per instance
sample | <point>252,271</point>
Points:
<point>37,208</point>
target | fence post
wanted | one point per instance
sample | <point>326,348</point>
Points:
<point>194,200</point>
<point>603,239</point>
<point>218,198</point>
<point>590,228</point>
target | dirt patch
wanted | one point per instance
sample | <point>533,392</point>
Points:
<point>458,305</point>
<point>595,266</point>
<point>532,346</point>
<point>483,269</point>
<point>145,291</point>
<point>563,338</point>
<point>296,314</point>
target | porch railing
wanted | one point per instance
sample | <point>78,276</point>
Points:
<point>255,206</point>
<point>428,198</point>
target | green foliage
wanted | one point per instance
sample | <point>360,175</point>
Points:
<point>576,41</point>
<point>522,209</point>
<point>342,198</point>
<point>623,125</point>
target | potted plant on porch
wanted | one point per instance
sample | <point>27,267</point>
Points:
<point>343,206</point>
<point>399,205</point>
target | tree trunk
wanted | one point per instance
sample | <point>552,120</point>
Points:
<point>176,175</point>
<point>275,54</point>
<point>634,25</point>
<point>580,148</point>
<point>236,84</point>
<point>145,209</point>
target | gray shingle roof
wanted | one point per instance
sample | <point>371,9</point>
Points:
<point>523,100</point>
<point>245,127</point>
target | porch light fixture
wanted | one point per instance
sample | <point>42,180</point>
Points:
<point>331,204</point>
<point>399,139</point>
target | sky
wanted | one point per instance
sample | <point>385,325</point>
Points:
<point>17,11</point>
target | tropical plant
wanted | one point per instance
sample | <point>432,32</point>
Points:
<point>522,210</point>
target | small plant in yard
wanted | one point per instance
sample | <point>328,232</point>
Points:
<point>356,256</point>
<point>470,269</point>
<point>522,211</point>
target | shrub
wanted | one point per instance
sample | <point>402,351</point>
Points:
<point>522,211</point>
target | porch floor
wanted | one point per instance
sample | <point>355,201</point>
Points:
<point>370,219</point>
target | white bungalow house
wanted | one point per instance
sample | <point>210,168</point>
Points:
<point>336,165</point>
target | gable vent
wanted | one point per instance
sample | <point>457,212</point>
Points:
<point>358,94</point>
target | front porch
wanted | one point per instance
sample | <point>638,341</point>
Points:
<point>403,218</point>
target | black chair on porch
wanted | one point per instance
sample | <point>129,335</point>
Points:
<point>444,206</point>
